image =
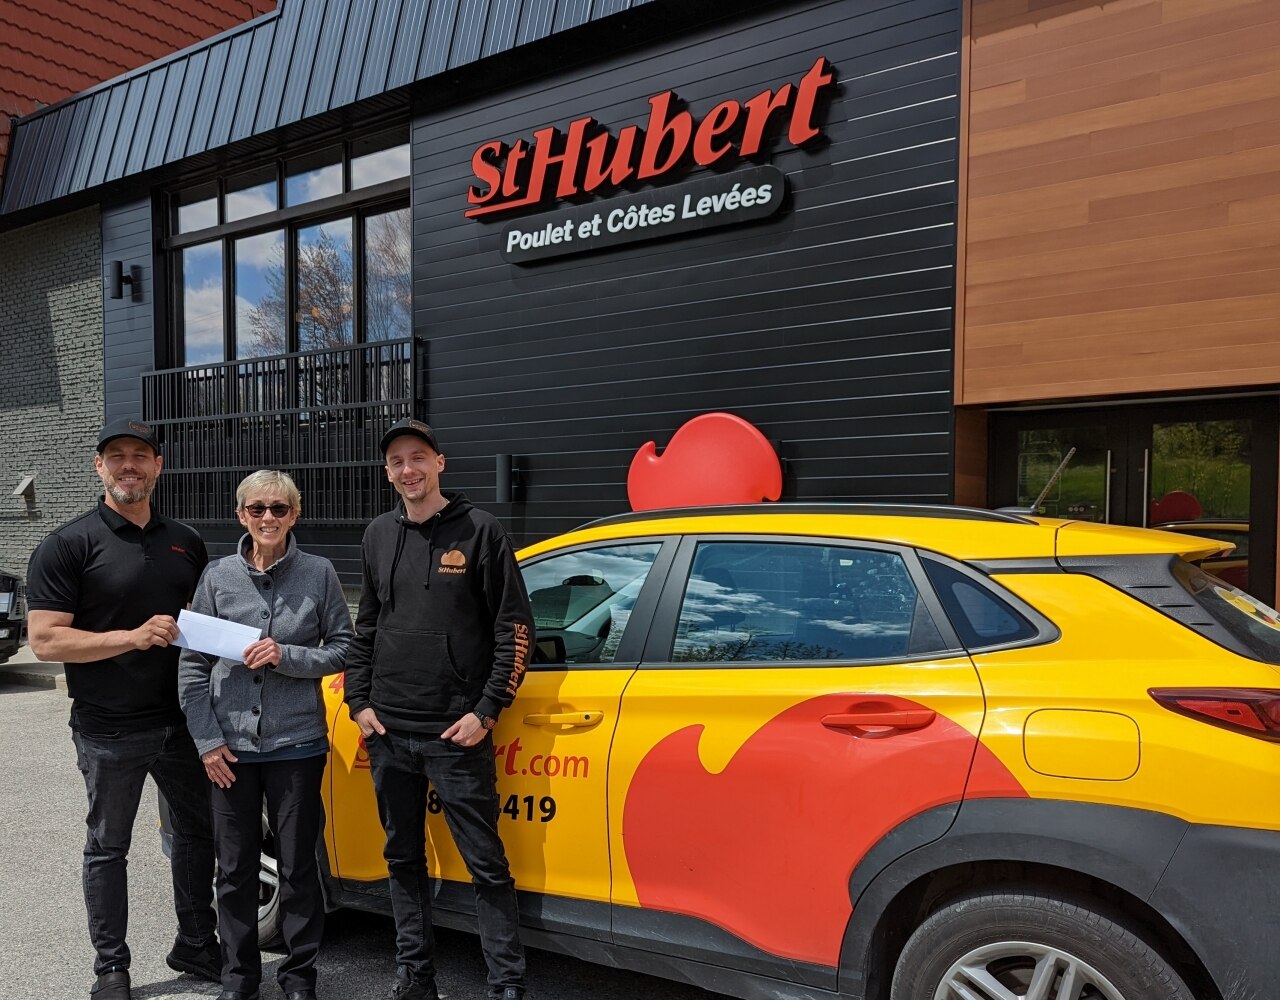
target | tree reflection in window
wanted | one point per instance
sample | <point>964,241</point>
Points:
<point>388,282</point>
<point>261,320</point>
<point>324,286</point>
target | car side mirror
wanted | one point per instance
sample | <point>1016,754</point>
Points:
<point>549,649</point>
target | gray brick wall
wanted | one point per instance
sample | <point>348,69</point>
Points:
<point>51,376</point>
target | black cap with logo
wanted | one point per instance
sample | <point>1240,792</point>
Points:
<point>128,427</point>
<point>409,425</point>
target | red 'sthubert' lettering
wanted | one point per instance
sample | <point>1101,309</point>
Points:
<point>585,157</point>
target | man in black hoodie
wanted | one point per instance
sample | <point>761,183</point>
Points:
<point>443,635</point>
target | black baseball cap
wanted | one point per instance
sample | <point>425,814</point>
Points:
<point>128,427</point>
<point>410,426</point>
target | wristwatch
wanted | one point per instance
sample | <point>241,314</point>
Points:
<point>488,721</point>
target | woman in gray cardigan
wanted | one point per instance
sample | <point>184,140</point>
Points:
<point>259,724</point>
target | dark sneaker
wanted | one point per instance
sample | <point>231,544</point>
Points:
<point>301,995</point>
<point>509,993</point>
<point>238,995</point>
<point>422,989</point>
<point>111,986</point>
<point>204,962</point>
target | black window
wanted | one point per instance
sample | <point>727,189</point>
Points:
<point>306,254</point>
<point>980,617</point>
<point>582,600</point>
<point>796,602</point>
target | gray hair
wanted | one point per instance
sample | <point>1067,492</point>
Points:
<point>269,479</point>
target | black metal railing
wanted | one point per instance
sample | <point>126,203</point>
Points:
<point>317,415</point>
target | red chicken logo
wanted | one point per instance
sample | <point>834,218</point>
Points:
<point>765,848</point>
<point>715,458</point>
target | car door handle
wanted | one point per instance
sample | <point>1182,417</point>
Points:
<point>564,719</point>
<point>880,721</point>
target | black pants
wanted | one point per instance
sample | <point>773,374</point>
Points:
<point>114,766</point>
<point>295,815</point>
<point>404,765</point>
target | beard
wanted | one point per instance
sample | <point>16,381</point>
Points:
<point>130,496</point>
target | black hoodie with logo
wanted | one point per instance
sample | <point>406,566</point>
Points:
<point>444,625</point>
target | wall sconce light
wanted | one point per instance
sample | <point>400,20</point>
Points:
<point>118,277</point>
<point>26,488</point>
<point>507,478</point>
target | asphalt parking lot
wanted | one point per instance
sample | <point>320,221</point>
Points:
<point>44,946</point>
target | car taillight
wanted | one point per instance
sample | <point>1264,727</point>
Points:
<point>1250,711</point>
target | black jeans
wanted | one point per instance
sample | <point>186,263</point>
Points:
<point>404,765</point>
<point>295,816</point>
<point>114,766</point>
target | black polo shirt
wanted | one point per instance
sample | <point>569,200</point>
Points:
<point>110,574</point>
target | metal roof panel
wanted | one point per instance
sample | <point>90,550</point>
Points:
<point>255,72</point>
<point>408,43</point>
<point>278,65</point>
<point>230,93</point>
<point>186,105</point>
<point>346,82</point>
<point>127,127</point>
<point>145,125</point>
<point>439,41</point>
<point>536,20</point>
<point>328,49</point>
<point>306,58</point>
<point>108,132</point>
<point>79,113</point>
<point>468,33</point>
<point>500,33</point>
<point>302,64</point>
<point>207,102</point>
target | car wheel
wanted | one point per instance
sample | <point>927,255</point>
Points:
<point>269,933</point>
<point>1022,946</point>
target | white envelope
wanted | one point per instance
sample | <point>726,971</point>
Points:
<point>214,636</point>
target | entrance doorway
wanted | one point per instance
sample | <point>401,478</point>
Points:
<point>1200,468</point>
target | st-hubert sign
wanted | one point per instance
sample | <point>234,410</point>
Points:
<point>587,159</point>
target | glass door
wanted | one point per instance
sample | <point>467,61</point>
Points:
<point>1205,469</point>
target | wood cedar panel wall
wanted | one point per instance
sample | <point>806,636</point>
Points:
<point>1123,229</point>
<point>828,326</point>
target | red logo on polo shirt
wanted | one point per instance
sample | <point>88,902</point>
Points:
<point>179,549</point>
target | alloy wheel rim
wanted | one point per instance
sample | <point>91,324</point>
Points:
<point>1022,970</point>
<point>268,884</point>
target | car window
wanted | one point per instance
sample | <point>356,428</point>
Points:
<point>800,602</point>
<point>583,599</point>
<point>1203,603</point>
<point>981,617</point>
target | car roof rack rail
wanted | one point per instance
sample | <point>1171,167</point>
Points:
<point>946,511</point>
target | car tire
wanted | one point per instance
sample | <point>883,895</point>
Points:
<point>270,934</point>
<point>1004,945</point>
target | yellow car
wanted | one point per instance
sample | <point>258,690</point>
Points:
<point>1231,564</point>
<point>919,753</point>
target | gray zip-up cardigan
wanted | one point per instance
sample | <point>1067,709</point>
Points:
<point>298,602</point>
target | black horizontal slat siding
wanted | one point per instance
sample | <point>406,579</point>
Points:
<point>829,326</point>
<point>128,333</point>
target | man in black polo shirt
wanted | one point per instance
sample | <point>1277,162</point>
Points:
<point>103,593</point>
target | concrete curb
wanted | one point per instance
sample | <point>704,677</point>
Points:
<point>25,670</point>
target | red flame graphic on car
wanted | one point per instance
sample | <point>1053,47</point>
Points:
<point>715,458</point>
<point>765,848</point>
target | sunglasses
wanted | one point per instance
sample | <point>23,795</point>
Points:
<point>256,510</point>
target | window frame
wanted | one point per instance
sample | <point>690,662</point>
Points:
<point>662,632</point>
<point>1045,630</point>
<point>640,621</point>
<point>354,205</point>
